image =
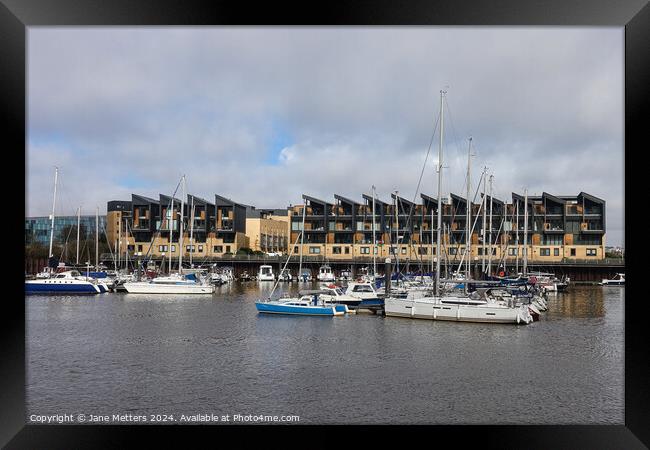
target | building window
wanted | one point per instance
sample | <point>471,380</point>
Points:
<point>556,252</point>
<point>173,248</point>
<point>453,251</point>
<point>227,248</point>
<point>336,250</point>
<point>218,248</point>
<point>376,250</point>
<point>422,250</point>
<point>512,251</point>
<point>573,252</point>
<point>139,247</point>
<point>393,250</point>
<point>295,249</point>
<point>200,249</point>
<point>591,252</point>
<point>347,250</point>
<point>162,248</point>
<point>403,250</point>
<point>544,252</point>
<point>314,250</point>
<point>365,250</point>
<point>480,251</point>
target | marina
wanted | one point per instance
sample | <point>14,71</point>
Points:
<point>345,250</point>
<point>216,353</point>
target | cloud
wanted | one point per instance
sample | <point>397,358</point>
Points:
<point>147,105</point>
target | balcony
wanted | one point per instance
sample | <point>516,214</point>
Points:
<point>142,224</point>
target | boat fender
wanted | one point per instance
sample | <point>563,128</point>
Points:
<point>435,314</point>
<point>458,314</point>
<point>413,310</point>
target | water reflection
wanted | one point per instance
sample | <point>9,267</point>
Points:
<point>215,353</point>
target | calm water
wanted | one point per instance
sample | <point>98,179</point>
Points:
<point>125,353</point>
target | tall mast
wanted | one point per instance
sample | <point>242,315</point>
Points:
<point>302,238</point>
<point>489,267</point>
<point>517,238</point>
<point>119,243</point>
<point>126,245</point>
<point>180,238</point>
<point>468,243</point>
<point>442,128</point>
<point>396,237</point>
<point>56,177</point>
<point>78,223</point>
<point>432,241</point>
<point>525,231</point>
<point>484,222</point>
<point>191,230</point>
<point>97,238</point>
<point>374,240</point>
<point>170,221</point>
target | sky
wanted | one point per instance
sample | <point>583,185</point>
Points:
<point>263,115</point>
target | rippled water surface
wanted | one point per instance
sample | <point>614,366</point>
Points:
<point>140,354</point>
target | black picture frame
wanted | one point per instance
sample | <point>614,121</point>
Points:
<point>634,15</point>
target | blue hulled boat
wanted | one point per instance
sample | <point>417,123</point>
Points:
<point>307,305</point>
<point>68,282</point>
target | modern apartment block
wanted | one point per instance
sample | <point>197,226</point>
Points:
<point>144,225</point>
<point>267,229</point>
<point>559,228</point>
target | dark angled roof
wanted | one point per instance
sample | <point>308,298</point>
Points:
<point>223,201</point>
<point>553,198</point>
<point>458,198</point>
<point>138,199</point>
<point>494,200</point>
<point>347,200</point>
<point>369,198</point>
<point>315,200</point>
<point>402,199</point>
<point>166,200</point>
<point>590,197</point>
<point>429,199</point>
<point>197,200</point>
<point>521,198</point>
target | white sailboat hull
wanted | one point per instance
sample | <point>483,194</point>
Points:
<point>430,308</point>
<point>153,288</point>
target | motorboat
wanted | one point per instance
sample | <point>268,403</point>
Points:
<point>345,275</point>
<point>285,276</point>
<point>325,273</point>
<point>305,275</point>
<point>67,282</point>
<point>245,276</point>
<point>362,290</point>
<point>618,280</point>
<point>334,294</point>
<point>265,273</point>
<point>173,284</point>
<point>306,305</point>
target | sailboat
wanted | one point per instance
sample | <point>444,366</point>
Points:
<point>310,303</point>
<point>454,308</point>
<point>67,282</point>
<point>175,283</point>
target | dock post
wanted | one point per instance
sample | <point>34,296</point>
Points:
<point>388,271</point>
